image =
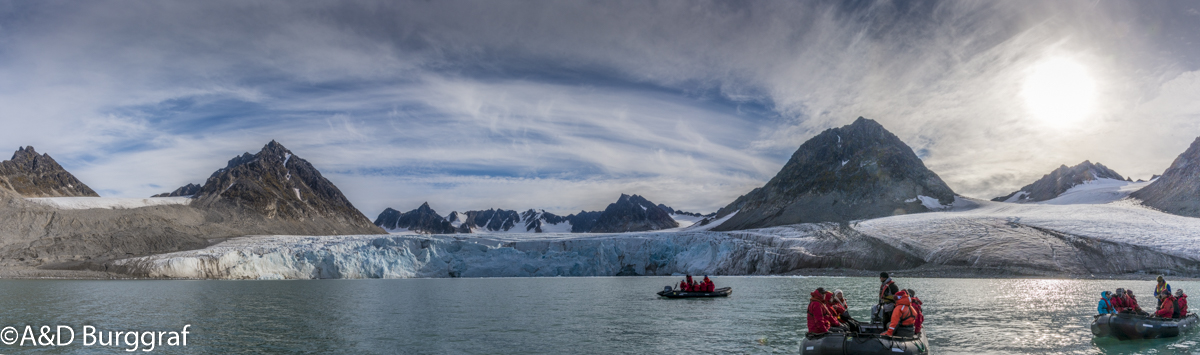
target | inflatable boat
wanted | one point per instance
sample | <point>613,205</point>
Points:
<point>868,340</point>
<point>720,292</point>
<point>1127,326</point>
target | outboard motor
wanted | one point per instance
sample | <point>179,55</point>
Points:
<point>667,289</point>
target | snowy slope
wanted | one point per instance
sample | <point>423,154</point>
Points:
<point>82,203</point>
<point>1098,191</point>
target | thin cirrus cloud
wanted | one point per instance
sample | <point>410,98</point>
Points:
<point>564,105</point>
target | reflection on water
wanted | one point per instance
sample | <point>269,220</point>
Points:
<point>560,315</point>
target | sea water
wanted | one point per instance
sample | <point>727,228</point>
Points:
<point>553,315</point>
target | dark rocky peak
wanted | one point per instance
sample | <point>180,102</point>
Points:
<point>493,220</point>
<point>1059,181</point>
<point>633,213</point>
<point>1177,190</point>
<point>537,221</point>
<point>857,171</point>
<point>277,184</point>
<point>583,221</point>
<point>423,219</point>
<point>185,190</point>
<point>32,175</point>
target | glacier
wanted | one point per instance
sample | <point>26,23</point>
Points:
<point>1093,229</point>
<point>758,252</point>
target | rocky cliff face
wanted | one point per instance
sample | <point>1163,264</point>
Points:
<point>277,185</point>
<point>632,214</point>
<point>492,220</point>
<point>185,190</point>
<point>539,221</point>
<point>858,171</point>
<point>1060,180</point>
<point>33,175</point>
<point>421,220</point>
<point>1177,191</point>
<point>628,214</point>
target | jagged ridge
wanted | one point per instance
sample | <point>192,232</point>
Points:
<point>33,175</point>
<point>1060,180</point>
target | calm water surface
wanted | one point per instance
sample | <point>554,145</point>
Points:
<point>557,315</point>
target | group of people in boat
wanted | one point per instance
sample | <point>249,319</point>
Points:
<point>1170,305</point>
<point>900,308</point>
<point>690,285</point>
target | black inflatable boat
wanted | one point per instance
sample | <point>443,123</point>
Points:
<point>866,341</point>
<point>1127,326</point>
<point>720,292</point>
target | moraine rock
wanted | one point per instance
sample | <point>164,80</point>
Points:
<point>33,175</point>
<point>1060,180</point>
<point>1177,190</point>
<point>185,190</point>
<point>858,171</point>
<point>632,214</point>
<point>421,220</point>
<point>277,185</point>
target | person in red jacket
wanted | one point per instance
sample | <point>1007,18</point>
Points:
<point>904,317</point>
<point>916,303</point>
<point>708,284</point>
<point>1132,302</point>
<point>690,284</point>
<point>1183,310</point>
<point>1167,308</point>
<point>818,313</point>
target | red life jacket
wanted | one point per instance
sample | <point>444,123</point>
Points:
<point>818,318</point>
<point>916,303</point>
<point>1168,308</point>
<point>904,314</point>
<point>884,288</point>
<point>1183,311</point>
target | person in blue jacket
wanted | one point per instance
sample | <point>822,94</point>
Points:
<point>1105,306</point>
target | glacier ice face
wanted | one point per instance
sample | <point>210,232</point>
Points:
<point>1018,239</point>
<point>761,252</point>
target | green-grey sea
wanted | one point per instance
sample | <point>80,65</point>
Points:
<point>589,315</point>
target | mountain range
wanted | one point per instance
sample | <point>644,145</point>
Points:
<point>855,191</point>
<point>630,213</point>
<point>271,192</point>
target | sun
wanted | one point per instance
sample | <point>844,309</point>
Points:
<point>1059,92</point>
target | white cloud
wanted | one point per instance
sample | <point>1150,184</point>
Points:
<point>695,102</point>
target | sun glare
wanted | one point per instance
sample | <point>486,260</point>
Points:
<point>1059,92</point>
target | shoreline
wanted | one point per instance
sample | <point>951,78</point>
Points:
<point>936,272</point>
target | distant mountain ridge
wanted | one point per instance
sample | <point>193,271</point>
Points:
<point>857,171</point>
<point>185,190</point>
<point>629,214</point>
<point>1059,181</point>
<point>32,175</point>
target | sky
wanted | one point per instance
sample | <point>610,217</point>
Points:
<point>564,105</point>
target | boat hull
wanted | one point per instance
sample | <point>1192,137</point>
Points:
<point>720,292</point>
<point>863,343</point>
<point>1132,327</point>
